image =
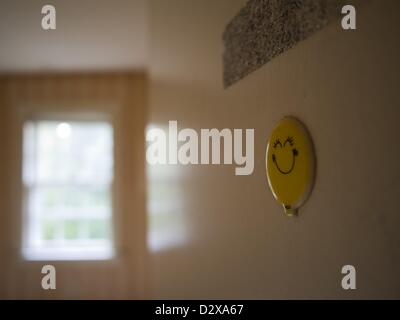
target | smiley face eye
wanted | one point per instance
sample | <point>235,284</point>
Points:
<point>276,143</point>
<point>290,141</point>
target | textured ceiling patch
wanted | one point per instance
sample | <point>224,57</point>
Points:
<point>264,29</point>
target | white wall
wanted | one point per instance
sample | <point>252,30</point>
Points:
<point>90,35</point>
<point>229,238</point>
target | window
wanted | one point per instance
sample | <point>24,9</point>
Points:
<point>67,180</point>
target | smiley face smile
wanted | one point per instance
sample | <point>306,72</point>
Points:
<point>288,142</point>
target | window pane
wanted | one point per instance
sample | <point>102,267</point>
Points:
<point>68,173</point>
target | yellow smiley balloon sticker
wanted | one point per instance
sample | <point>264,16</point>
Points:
<point>290,164</point>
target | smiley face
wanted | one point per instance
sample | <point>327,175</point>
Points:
<point>290,164</point>
<point>285,149</point>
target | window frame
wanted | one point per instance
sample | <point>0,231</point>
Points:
<point>65,112</point>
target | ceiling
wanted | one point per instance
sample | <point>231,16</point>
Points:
<point>90,35</point>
